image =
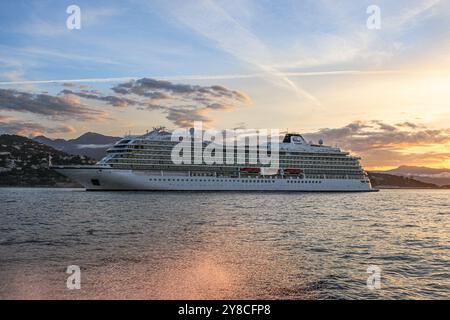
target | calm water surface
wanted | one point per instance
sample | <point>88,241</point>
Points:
<point>176,245</point>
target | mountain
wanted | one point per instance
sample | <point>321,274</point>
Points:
<point>439,177</point>
<point>385,181</point>
<point>90,144</point>
<point>94,138</point>
<point>24,163</point>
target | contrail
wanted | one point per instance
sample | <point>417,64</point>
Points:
<point>212,22</point>
<point>208,77</point>
<point>67,81</point>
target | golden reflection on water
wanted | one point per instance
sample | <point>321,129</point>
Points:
<point>228,247</point>
<point>227,272</point>
<point>197,277</point>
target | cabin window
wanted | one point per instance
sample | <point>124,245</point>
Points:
<point>95,182</point>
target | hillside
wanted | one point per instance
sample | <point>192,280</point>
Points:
<point>383,180</point>
<point>24,162</point>
<point>90,144</point>
<point>440,177</point>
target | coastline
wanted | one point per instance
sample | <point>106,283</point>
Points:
<point>412,188</point>
<point>69,186</point>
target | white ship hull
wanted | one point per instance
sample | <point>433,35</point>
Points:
<point>97,178</point>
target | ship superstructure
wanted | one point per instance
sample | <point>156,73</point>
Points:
<point>146,163</point>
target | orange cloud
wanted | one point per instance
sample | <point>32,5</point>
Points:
<point>383,145</point>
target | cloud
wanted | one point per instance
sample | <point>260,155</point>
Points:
<point>382,144</point>
<point>93,95</point>
<point>185,117</point>
<point>25,128</point>
<point>92,146</point>
<point>368,135</point>
<point>384,126</point>
<point>69,84</point>
<point>5,118</point>
<point>55,107</point>
<point>160,89</point>
<point>409,125</point>
<point>183,103</point>
<point>412,14</point>
<point>390,158</point>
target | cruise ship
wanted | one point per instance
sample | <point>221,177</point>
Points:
<point>145,163</point>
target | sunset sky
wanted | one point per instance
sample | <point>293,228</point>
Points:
<point>307,66</point>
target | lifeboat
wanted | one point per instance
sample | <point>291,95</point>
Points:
<point>292,171</point>
<point>250,170</point>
